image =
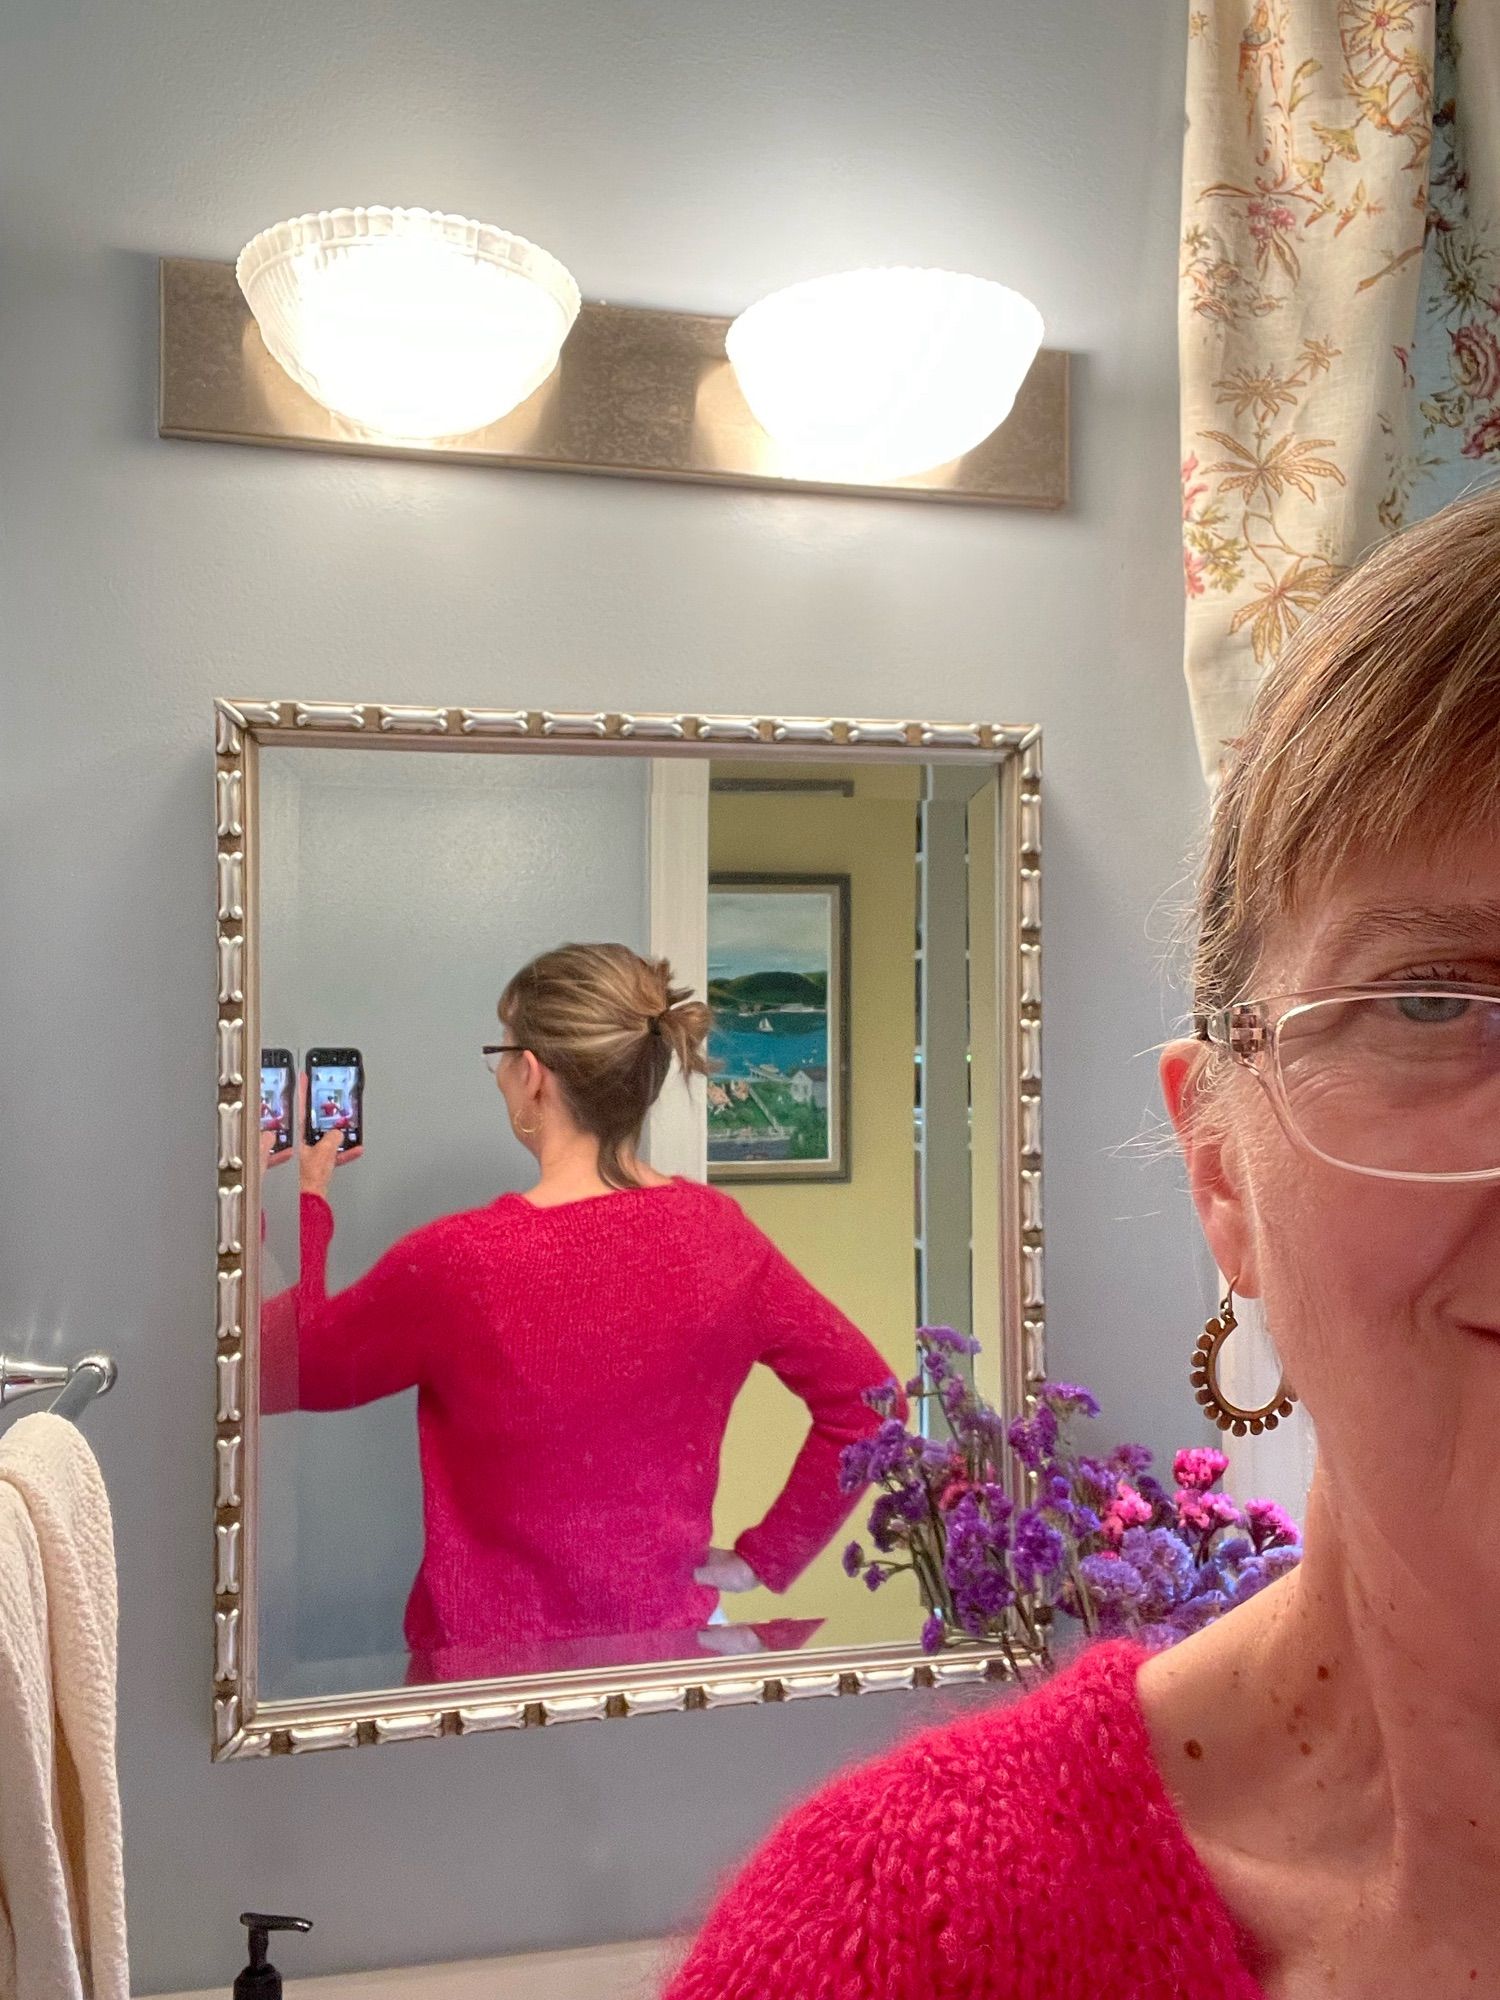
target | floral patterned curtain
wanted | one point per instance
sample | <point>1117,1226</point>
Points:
<point>1339,309</point>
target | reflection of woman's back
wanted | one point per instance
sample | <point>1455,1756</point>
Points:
<point>577,1350</point>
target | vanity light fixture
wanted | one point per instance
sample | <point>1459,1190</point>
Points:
<point>407,323</point>
<point>405,333</point>
<point>874,375</point>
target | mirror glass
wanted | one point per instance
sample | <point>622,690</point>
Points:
<point>508,1428</point>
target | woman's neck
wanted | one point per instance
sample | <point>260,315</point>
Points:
<point>569,1163</point>
<point>1335,1749</point>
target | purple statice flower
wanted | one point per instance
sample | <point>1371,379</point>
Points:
<point>975,1565</point>
<point>1034,1439</point>
<point>853,1559</point>
<point>1112,1580</point>
<point>1150,1488</point>
<point>1068,1399</point>
<point>1199,1467</point>
<point>1058,1503</point>
<point>915,1386</point>
<point>1038,1551</point>
<point>1186,1618</point>
<point>947,1339</point>
<point>1130,1461</point>
<point>932,1634</point>
<point>886,1454</point>
<point>886,1519</point>
<point>1261,1571</point>
<point>939,1460</point>
<point>955,1393</point>
<point>1271,1527</point>
<point>885,1398</point>
<point>875,1576</point>
<point>1166,1566</point>
<point>983,1426</point>
<point>1095,1481</point>
<point>1115,1589</point>
<point>854,1465</point>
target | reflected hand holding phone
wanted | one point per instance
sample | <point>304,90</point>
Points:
<point>323,1150</point>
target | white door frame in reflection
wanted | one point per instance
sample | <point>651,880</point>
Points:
<point>1010,1262</point>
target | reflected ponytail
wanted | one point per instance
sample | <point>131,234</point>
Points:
<point>607,1023</point>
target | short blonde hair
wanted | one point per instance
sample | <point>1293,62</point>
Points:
<point>1382,713</point>
<point>607,1023</point>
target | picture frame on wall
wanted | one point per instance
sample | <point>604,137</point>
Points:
<point>778,990</point>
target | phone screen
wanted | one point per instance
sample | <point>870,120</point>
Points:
<point>276,1098</point>
<point>335,1090</point>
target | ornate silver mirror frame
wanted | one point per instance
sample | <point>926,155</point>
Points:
<point>243,1724</point>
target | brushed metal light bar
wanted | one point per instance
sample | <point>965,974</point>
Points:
<point>638,394</point>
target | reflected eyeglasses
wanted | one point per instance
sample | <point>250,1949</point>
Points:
<point>492,1052</point>
<point>1399,1080</point>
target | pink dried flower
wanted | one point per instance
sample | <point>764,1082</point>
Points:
<point>1127,1510</point>
<point>1199,1466</point>
<point>1206,1513</point>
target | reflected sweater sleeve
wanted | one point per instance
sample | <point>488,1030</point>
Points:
<point>822,1357</point>
<point>322,1353</point>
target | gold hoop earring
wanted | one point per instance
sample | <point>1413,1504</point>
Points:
<point>1205,1380</point>
<point>527,1131</point>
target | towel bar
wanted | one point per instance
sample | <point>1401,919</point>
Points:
<point>77,1382</point>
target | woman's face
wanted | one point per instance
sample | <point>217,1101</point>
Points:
<point>1383,1297</point>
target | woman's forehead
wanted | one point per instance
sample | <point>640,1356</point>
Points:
<point>1433,900</point>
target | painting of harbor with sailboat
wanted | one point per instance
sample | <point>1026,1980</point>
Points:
<point>778,991</point>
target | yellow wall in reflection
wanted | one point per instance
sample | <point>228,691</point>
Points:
<point>854,1239</point>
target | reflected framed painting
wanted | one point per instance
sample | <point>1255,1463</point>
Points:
<point>778,989</point>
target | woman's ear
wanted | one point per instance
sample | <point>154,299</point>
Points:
<point>1214,1163</point>
<point>534,1077</point>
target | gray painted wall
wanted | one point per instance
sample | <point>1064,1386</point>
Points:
<point>683,155</point>
<point>398,895</point>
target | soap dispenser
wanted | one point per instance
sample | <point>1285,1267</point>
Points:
<point>260,1980</point>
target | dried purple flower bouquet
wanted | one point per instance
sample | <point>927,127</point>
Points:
<point>1101,1540</point>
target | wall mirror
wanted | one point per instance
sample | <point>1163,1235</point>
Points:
<point>471,1453</point>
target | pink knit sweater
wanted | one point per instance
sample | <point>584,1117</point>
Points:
<point>1028,1853</point>
<point>575,1369</point>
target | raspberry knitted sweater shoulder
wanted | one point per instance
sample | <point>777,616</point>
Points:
<point>1028,1853</point>
<point>575,1370</point>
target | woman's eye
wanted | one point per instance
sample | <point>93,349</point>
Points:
<point>1432,1008</point>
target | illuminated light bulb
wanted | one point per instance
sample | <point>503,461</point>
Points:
<point>874,375</point>
<point>407,323</point>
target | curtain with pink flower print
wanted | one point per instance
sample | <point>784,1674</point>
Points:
<point>1339,307</point>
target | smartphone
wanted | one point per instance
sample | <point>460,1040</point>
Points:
<point>277,1070</point>
<point>336,1095</point>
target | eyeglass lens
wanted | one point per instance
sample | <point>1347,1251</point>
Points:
<point>1404,1085</point>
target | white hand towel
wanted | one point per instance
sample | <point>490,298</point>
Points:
<point>62,1884</point>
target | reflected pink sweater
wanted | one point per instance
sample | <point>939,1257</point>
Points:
<point>1028,1853</point>
<point>575,1368</point>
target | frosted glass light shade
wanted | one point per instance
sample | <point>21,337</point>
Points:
<point>875,374</point>
<point>408,323</point>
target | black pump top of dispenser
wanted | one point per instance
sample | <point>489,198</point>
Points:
<point>260,1980</point>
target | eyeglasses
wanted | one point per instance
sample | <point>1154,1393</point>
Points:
<point>1400,1080</point>
<point>492,1052</point>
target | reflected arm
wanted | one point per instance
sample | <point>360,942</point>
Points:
<point>821,1356</point>
<point>322,1353</point>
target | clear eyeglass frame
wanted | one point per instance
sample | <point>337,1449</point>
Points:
<point>1250,1033</point>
